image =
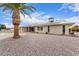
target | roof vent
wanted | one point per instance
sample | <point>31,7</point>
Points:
<point>51,19</point>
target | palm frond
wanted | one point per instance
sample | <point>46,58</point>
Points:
<point>25,7</point>
<point>21,7</point>
<point>25,12</point>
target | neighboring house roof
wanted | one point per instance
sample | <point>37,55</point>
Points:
<point>51,23</point>
<point>76,24</point>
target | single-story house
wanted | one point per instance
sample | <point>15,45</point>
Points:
<point>50,28</point>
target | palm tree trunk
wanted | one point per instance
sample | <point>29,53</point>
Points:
<point>16,32</point>
<point>16,23</point>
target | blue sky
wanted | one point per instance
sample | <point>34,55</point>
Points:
<point>60,11</point>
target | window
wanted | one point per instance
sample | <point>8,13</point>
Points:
<point>40,28</point>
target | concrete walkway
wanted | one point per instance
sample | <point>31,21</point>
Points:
<point>31,44</point>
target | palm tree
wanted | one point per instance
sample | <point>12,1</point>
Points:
<point>16,9</point>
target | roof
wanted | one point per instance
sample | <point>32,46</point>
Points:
<point>51,23</point>
<point>76,24</point>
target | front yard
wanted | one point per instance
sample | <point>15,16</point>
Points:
<point>31,44</point>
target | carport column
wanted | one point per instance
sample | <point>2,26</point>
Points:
<point>48,29</point>
<point>63,29</point>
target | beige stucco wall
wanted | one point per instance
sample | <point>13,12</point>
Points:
<point>23,29</point>
<point>67,29</point>
<point>56,29</point>
<point>45,29</point>
<point>53,29</point>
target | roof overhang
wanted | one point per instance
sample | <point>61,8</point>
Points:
<point>51,24</point>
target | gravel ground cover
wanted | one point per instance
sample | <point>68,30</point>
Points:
<point>32,44</point>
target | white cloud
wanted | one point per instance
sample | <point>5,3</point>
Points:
<point>8,25</point>
<point>7,13</point>
<point>36,18</point>
<point>7,18</point>
<point>73,19</point>
<point>64,6</point>
<point>74,7</point>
